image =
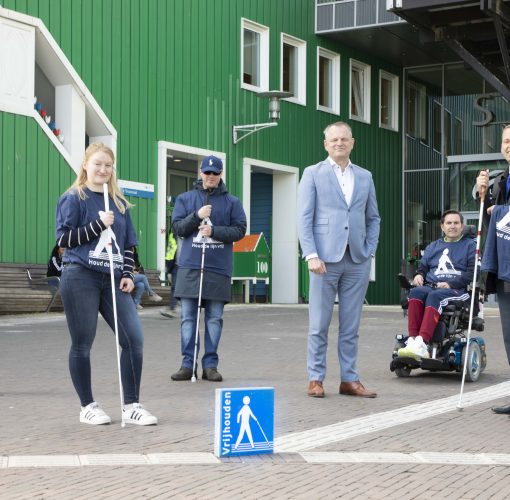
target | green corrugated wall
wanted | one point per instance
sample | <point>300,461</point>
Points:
<point>33,175</point>
<point>169,70</point>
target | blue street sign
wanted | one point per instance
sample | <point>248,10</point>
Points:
<point>244,421</point>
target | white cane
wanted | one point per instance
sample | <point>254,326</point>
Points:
<point>473,288</point>
<point>194,377</point>
<point>112,280</point>
<point>263,433</point>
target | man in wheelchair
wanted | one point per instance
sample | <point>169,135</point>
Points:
<point>445,271</point>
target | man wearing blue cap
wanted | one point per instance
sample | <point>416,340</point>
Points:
<point>208,215</point>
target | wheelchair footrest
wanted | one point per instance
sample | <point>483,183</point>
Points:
<point>424,363</point>
<point>404,361</point>
<point>432,364</point>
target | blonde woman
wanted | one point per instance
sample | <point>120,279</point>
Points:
<point>85,282</point>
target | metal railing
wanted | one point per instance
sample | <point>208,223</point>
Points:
<point>338,15</point>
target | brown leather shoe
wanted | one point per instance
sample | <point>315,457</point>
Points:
<point>356,389</point>
<point>315,389</point>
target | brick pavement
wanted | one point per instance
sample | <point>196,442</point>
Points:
<point>262,345</point>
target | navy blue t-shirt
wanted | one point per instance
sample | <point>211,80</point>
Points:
<point>72,213</point>
<point>452,262</point>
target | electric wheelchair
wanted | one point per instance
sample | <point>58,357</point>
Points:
<point>449,343</point>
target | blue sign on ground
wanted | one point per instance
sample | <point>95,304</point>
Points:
<point>244,421</point>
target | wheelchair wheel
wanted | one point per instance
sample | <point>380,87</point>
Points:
<point>474,362</point>
<point>405,371</point>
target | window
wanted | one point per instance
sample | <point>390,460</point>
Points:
<point>360,91</point>
<point>293,68</point>
<point>328,81</point>
<point>436,126</point>
<point>388,101</point>
<point>416,116</point>
<point>254,56</point>
<point>457,136</point>
<point>447,133</point>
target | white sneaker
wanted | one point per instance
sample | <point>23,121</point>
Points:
<point>137,414</point>
<point>155,297</point>
<point>408,349</point>
<point>420,348</point>
<point>94,415</point>
<point>139,307</point>
<point>415,348</point>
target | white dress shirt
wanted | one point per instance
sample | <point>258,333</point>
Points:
<point>345,179</point>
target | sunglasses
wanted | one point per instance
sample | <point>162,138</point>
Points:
<point>211,173</point>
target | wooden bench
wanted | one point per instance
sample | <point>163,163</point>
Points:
<point>24,289</point>
<point>157,286</point>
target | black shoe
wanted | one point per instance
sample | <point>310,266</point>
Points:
<point>212,375</point>
<point>183,374</point>
<point>503,410</point>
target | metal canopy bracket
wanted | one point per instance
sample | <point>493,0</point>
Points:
<point>274,115</point>
<point>248,130</point>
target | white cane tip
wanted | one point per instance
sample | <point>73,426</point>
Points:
<point>193,379</point>
<point>460,408</point>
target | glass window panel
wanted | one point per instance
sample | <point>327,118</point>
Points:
<point>177,184</point>
<point>251,57</point>
<point>422,210</point>
<point>447,132</point>
<point>436,126</point>
<point>457,136</point>
<point>412,97</point>
<point>325,82</point>
<point>290,68</point>
<point>386,102</point>
<point>357,92</point>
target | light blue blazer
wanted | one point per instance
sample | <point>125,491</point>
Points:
<point>326,224</point>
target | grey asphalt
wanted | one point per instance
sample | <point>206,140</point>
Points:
<point>445,455</point>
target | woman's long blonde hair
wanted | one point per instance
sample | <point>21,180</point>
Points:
<point>113,189</point>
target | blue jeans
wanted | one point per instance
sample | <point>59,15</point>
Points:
<point>213,328</point>
<point>141,285</point>
<point>84,294</point>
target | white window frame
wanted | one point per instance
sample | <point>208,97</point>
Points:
<point>394,100</point>
<point>335,84</point>
<point>263,31</point>
<point>300,46</point>
<point>365,70</point>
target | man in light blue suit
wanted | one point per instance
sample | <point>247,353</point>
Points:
<point>338,227</point>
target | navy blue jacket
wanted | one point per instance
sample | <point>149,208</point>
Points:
<point>497,245</point>
<point>229,225</point>
<point>495,196</point>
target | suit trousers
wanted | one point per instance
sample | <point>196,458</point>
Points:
<point>350,281</point>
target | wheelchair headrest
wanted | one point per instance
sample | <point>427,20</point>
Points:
<point>469,231</point>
